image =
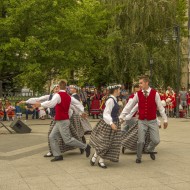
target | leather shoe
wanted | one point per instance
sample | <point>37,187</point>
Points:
<point>88,150</point>
<point>123,150</point>
<point>138,161</point>
<point>152,155</point>
<point>81,150</point>
<point>84,139</point>
<point>57,158</point>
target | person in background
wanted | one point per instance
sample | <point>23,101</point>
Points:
<point>168,90</point>
<point>30,110</point>
<point>88,92</point>
<point>10,110</point>
<point>104,97</point>
<point>95,105</point>
<point>162,96</point>
<point>183,94</point>
<point>42,113</point>
<point>188,101</point>
<point>74,92</point>
<point>124,95</point>
<point>171,103</point>
<point>120,103</point>
<point>18,111</point>
<point>83,96</point>
<point>1,110</point>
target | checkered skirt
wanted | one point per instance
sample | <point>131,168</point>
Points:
<point>85,125</point>
<point>76,122</point>
<point>106,141</point>
<point>130,138</point>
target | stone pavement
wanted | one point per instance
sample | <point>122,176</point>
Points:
<point>23,167</point>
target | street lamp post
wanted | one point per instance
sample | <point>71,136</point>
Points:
<point>151,65</point>
<point>176,37</point>
<point>1,89</point>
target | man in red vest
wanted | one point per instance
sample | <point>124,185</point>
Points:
<point>62,101</point>
<point>148,102</point>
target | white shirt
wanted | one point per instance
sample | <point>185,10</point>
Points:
<point>135,100</point>
<point>39,99</point>
<point>108,109</point>
<point>132,112</point>
<point>125,110</point>
<point>56,99</point>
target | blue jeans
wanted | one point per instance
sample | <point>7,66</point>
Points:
<point>30,112</point>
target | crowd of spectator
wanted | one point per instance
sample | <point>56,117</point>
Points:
<point>93,100</point>
<point>8,111</point>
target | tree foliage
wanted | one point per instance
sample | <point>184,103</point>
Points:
<point>101,41</point>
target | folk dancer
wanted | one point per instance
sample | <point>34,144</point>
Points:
<point>148,102</point>
<point>62,102</point>
<point>82,124</point>
<point>106,136</point>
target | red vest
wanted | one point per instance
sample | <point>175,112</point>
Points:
<point>147,106</point>
<point>131,97</point>
<point>62,109</point>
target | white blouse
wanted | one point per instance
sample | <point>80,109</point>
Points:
<point>108,109</point>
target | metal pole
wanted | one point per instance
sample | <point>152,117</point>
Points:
<point>151,64</point>
<point>177,29</point>
<point>1,89</point>
<point>188,85</point>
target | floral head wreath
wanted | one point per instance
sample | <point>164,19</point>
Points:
<point>74,86</point>
<point>114,86</point>
<point>53,86</point>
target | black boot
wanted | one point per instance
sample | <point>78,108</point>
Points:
<point>57,158</point>
<point>97,117</point>
<point>93,116</point>
<point>138,161</point>
<point>152,155</point>
<point>123,150</point>
<point>88,150</point>
<point>84,139</point>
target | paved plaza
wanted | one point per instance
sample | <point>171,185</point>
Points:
<point>23,167</point>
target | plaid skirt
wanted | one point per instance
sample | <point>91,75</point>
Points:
<point>63,147</point>
<point>85,125</point>
<point>76,122</point>
<point>106,141</point>
<point>130,138</point>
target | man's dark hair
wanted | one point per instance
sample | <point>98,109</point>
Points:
<point>136,85</point>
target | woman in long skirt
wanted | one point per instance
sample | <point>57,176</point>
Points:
<point>95,104</point>
<point>106,136</point>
